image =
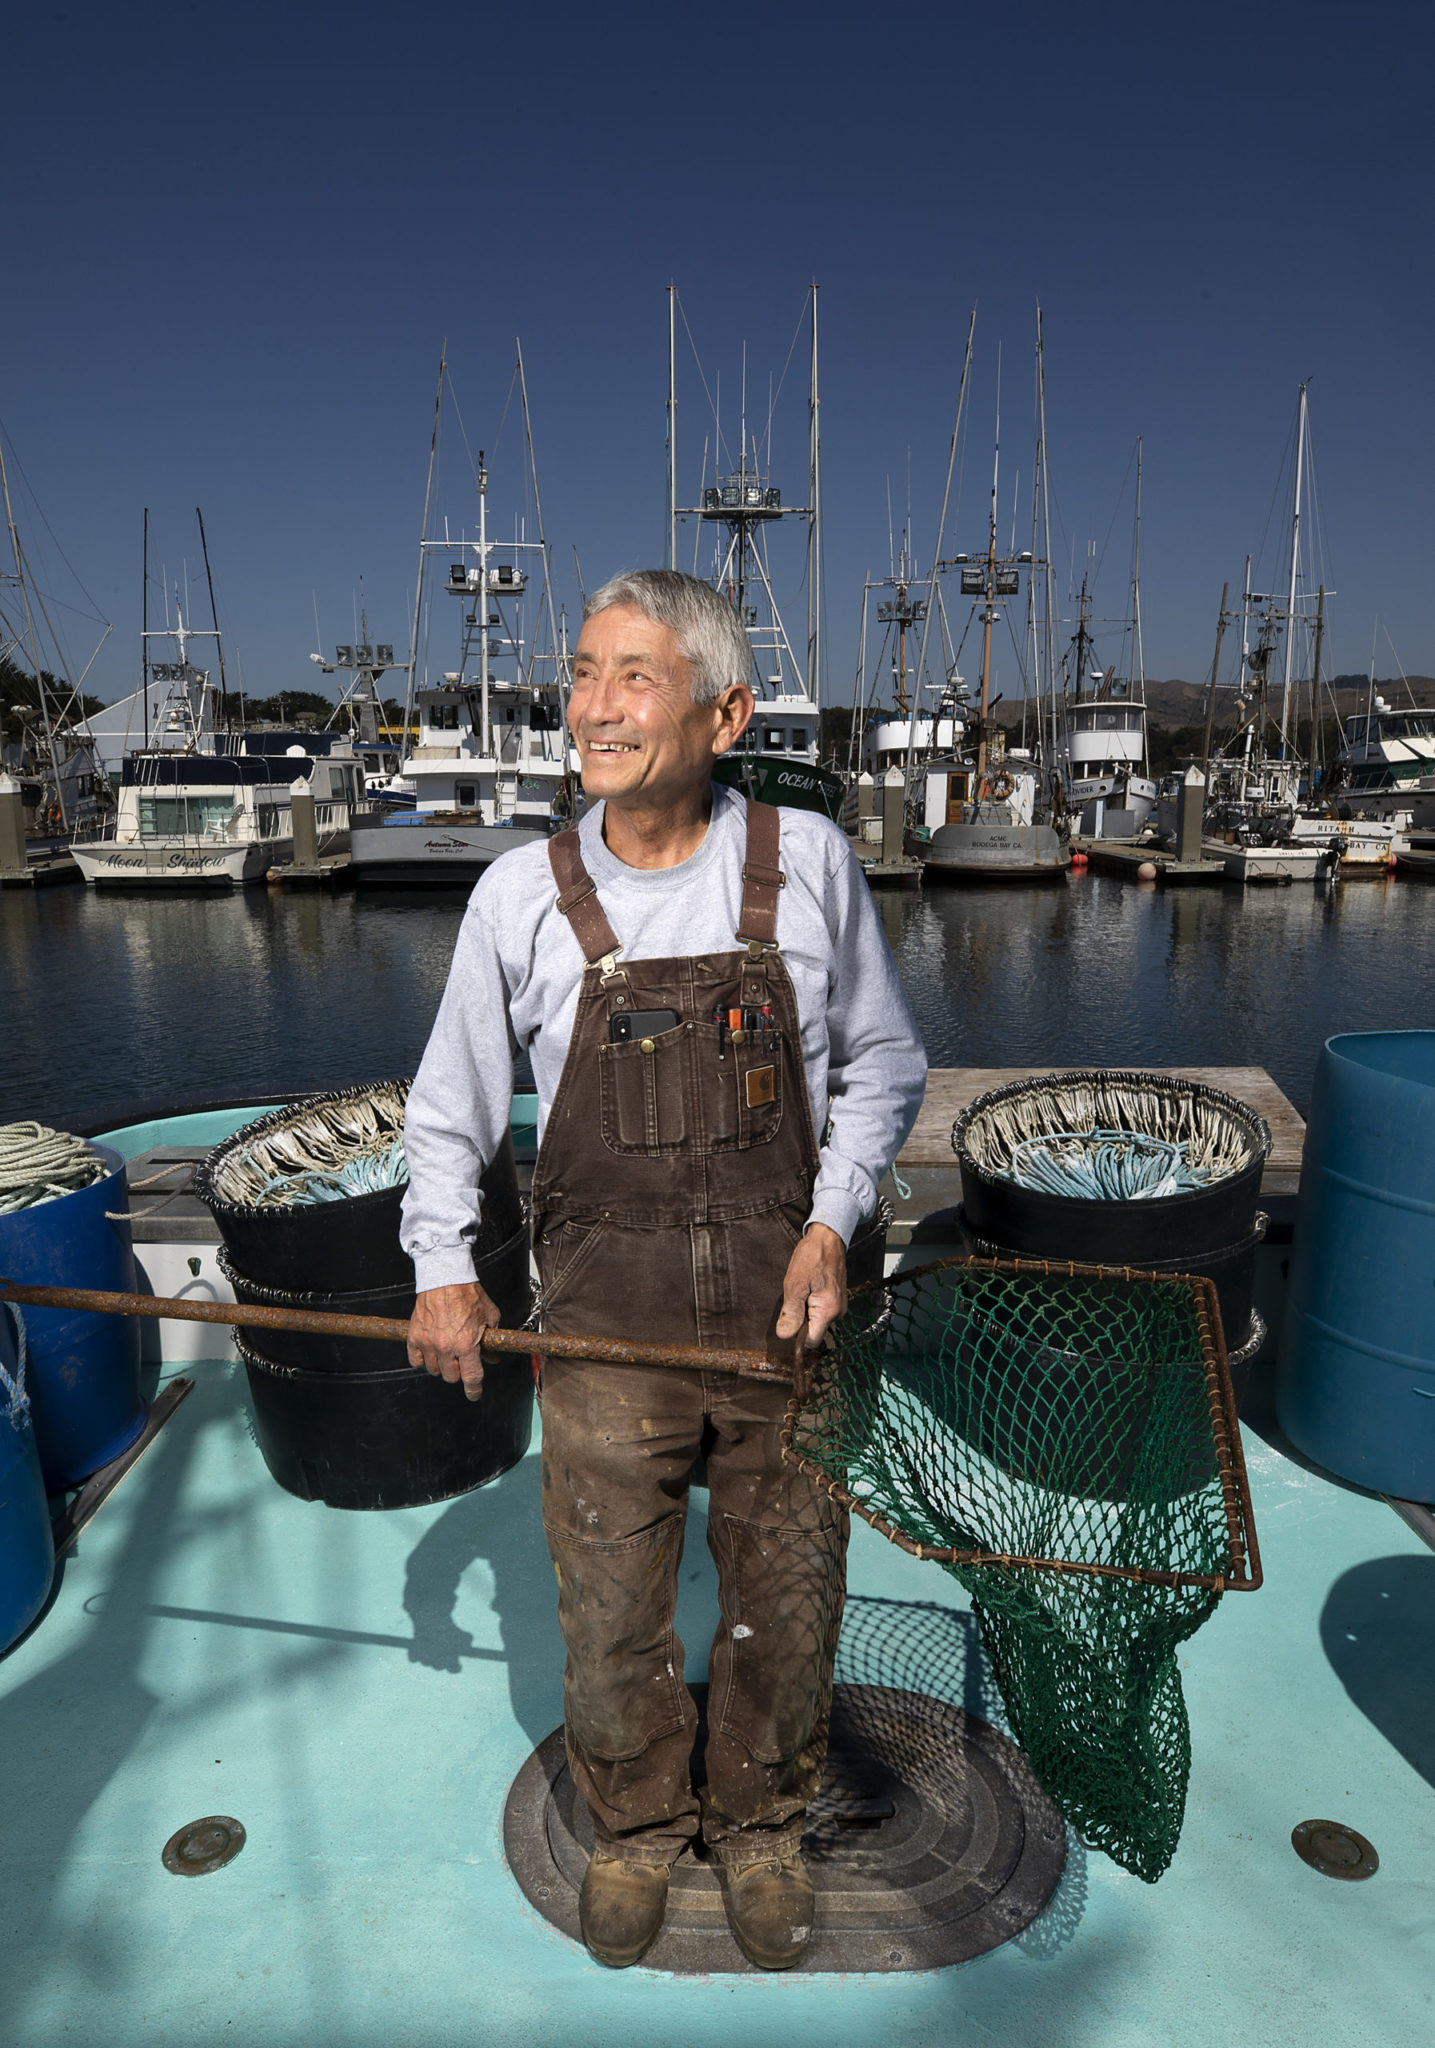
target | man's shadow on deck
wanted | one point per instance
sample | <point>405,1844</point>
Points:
<point>500,1525</point>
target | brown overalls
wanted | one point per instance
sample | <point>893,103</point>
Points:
<point>671,1188</point>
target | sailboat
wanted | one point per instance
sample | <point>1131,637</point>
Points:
<point>62,784</point>
<point>777,760</point>
<point>1258,821</point>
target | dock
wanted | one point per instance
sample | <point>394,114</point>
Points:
<point>904,873</point>
<point>293,874</point>
<point>1120,857</point>
<point>927,1166</point>
<point>41,873</point>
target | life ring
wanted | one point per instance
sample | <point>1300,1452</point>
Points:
<point>54,818</point>
<point>1000,786</point>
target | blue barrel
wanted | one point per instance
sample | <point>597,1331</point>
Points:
<point>84,1369</point>
<point>1356,1390</point>
<point>27,1554</point>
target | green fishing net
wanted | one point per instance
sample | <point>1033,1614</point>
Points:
<point>1063,1440</point>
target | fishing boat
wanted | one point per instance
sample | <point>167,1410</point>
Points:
<point>377,747</point>
<point>778,759</point>
<point>1386,764</point>
<point>351,1700</point>
<point>1261,822</point>
<point>492,767</point>
<point>1103,749</point>
<point>886,735</point>
<point>994,812</point>
<point>220,820</point>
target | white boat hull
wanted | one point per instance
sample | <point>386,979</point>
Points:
<point>417,848</point>
<point>180,864</point>
<point>1270,863</point>
<point>995,851</point>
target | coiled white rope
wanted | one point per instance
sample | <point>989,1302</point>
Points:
<point>325,1153</point>
<point>39,1165</point>
<point>1105,1166</point>
<point>1212,1140</point>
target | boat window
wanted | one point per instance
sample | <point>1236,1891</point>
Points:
<point>268,821</point>
<point>166,816</point>
<point>774,737</point>
<point>465,795</point>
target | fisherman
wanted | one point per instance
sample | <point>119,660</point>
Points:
<point>726,1065</point>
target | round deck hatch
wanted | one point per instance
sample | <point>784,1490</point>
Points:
<point>1333,1849</point>
<point>929,1843</point>
<point>203,1845</point>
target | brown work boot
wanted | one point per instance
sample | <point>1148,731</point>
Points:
<point>620,1907</point>
<point>769,1909</point>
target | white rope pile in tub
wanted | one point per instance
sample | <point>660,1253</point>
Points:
<point>326,1153</point>
<point>1212,1141</point>
<point>1105,1166</point>
<point>39,1165</point>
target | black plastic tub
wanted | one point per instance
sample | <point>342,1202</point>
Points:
<point>396,1438</point>
<point>1211,1230</point>
<point>1232,1270</point>
<point>503,1273</point>
<point>340,1247</point>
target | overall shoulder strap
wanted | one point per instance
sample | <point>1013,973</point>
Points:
<point>578,897</point>
<point>761,875</point>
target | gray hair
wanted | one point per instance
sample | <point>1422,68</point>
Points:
<point>706,626</point>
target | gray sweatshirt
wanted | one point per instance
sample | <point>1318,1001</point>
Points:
<point>514,985</point>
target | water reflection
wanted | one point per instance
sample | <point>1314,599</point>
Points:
<point>106,998</point>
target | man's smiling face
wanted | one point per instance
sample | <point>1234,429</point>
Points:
<point>642,741</point>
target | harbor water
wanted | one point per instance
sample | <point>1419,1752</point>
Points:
<point>108,1000</point>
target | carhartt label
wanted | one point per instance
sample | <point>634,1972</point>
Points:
<point>759,1087</point>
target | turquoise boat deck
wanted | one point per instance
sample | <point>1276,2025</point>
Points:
<point>361,1689</point>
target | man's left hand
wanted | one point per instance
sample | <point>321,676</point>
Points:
<point>815,1286</point>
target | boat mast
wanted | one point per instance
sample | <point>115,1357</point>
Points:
<point>46,723</point>
<point>1295,564</point>
<point>144,630</point>
<point>933,601</point>
<point>214,616</point>
<point>1315,682</point>
<point>423,538</point>
<point>560,654</point>
<point>485,738</point>
<point>1211,692</point>
<point>814,526</point>
<point>1046,531</point>
<point>1138,652</point>
<point>989,608</point>
<point>672,535</point>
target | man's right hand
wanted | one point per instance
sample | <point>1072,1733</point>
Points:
<point>446,1333</point>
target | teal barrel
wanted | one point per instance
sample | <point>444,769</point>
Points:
<point>27,1554</point>
<point>84,1368</point>
<point>1356,1388</point>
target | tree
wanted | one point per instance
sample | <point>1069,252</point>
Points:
<point>18,689</point>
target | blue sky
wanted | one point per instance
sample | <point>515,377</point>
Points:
<point>235,241</point>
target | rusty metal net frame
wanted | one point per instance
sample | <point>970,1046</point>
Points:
<point>1063,1439</point>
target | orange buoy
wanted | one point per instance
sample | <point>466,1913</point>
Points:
<point>1147,871</point>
